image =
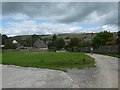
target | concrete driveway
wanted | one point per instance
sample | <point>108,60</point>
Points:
<point>104,75</point>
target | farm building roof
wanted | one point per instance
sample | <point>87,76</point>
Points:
<point>39,44</point>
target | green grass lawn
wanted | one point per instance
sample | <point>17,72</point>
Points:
<point>51,60</point>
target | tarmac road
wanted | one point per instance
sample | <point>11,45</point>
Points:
<point>104,75</point>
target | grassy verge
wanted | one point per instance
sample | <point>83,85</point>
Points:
<point>51,60</point>
<point>117,55</point>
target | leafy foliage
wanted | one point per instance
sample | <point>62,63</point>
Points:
<point>54,38</point>
<point>59,43</point>
<point>102,38</point>
<point>74,42</point>
<point>118,39</point>
<point>4,39</point>
<point>10,45</point>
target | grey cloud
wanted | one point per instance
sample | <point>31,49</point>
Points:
<point>33,9</point>
<point>111,19</point>
<point>63,12</point>
<point>87,8</point>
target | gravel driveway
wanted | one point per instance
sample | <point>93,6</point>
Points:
<point>104,75</point>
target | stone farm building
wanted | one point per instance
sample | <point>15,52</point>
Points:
<point>40,45</point>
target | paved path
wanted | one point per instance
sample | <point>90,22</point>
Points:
<point>21,77</point>
<point>104,75</point>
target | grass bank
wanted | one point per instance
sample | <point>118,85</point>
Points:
<point>117,55</point>
<point>50,60</point>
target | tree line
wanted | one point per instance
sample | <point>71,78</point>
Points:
<point>55,43</point>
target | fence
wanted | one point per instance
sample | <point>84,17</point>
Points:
<point>101,49</point>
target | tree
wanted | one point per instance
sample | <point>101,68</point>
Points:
<point>101,38</point>
<point>10,45</point>
<point>84,44</point>
<point>59,43</point>
<point>51,43</point>
<point>118,34</point>
<point>27,42</point>
<point>54,38</point>
<point>51,47</point>
<point>4,39</point>
<point>74,42</point>
<point>67,37</point>
<point>111,41</point>
<point>118,39</point>
<point>34,38</point>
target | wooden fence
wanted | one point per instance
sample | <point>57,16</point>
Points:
<point>101,49</point>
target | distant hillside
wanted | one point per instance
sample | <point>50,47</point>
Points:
<point>70,35</point>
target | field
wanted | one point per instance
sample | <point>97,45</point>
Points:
<point>50,60</point>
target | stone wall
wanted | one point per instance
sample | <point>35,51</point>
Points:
<point>29,50</point>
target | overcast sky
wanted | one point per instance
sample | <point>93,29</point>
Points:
<point>23,18</point>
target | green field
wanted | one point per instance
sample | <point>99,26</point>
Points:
<point>50,60</point>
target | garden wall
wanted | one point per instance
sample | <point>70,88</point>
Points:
<point>27,50</point>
